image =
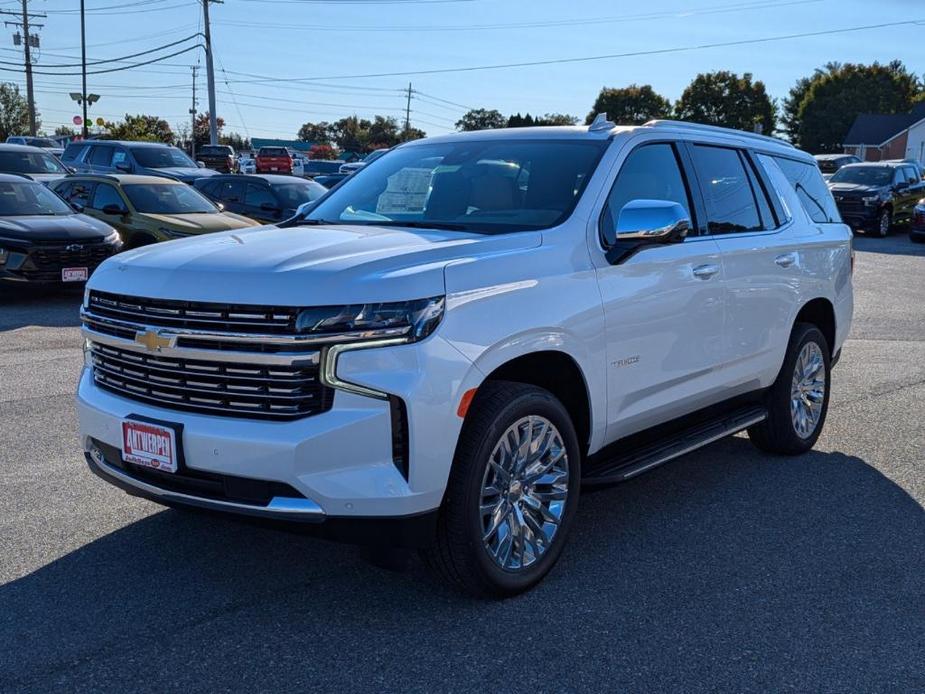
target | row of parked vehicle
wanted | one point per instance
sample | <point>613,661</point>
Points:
<point>875,197</point>
<point>60,218</point>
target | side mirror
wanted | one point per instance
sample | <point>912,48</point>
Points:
<point>76,206</point>
<point>902,185</point>
<point>303,209</point>
<point>648,222</point>
<point>220,206</point>
<point>113,209</point>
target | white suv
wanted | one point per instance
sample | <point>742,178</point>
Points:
<point>450,344</point>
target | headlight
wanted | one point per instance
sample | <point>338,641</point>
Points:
<point>871,199</point>
<point>114,238</point>
<point>412,320</point>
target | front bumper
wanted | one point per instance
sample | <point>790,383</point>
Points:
<point>339,462</point>
<point>857,215</point>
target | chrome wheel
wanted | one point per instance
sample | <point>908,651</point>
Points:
<point>807,391</point>
<point>885,221</point>
<point>524,492</point>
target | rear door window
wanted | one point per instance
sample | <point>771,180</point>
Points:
<point>106,195</point>
<point>230,191</point>
<point>101,156</point>
<point>810,188</point>
<point>731,201</point>
<point>258,195</point>
<point>74,151</point>
<point>78,193</point>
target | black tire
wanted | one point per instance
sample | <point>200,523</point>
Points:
<point>459,555</point>
<point>884,223</point>
<point>777,433</point>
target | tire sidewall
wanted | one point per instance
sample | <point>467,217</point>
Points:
<point>540,403</point>
<point>889,217</point>
<point>803,335</point>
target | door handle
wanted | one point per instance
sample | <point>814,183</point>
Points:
<point>786,259</point>
<point>705,272</point>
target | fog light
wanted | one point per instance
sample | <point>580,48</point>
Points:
<point>96,455</point>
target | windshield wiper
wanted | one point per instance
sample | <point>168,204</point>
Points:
<point>447,226</point>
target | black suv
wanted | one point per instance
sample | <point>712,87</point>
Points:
<point>219,158</point>
<point>875,195</point>
<point>145,158</point>
<point>264,197</point>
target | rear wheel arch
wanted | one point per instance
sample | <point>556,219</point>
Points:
<point>821,313</point>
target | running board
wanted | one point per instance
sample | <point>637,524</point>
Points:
<point>638,460</point>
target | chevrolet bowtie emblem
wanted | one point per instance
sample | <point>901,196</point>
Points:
<point>154,341</point>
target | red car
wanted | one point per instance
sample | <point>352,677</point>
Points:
<point>273,160</point>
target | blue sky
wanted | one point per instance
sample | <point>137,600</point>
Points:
<point>342,38</point>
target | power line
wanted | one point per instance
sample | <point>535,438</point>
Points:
<point>113,69</point>
<point>585,59</point>
<point>120,59</point>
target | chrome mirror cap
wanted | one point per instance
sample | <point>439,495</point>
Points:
<point>653,221</point>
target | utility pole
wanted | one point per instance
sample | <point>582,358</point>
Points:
<point>210,72</point>
<point>192,111</point>
<point>83,68</point>
<point>29,41</point>
<point>408,112</point>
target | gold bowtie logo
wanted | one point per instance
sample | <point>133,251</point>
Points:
<point>153,341</point>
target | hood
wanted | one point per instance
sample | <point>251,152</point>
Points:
<point>184,173</point>
<point>200,223</point>
<point>854,188</point>
<point>301,266</point>
<point>49,229</point>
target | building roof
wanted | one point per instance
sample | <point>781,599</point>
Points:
<point>877,128</point>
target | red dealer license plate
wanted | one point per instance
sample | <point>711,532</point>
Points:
<point>74,274</point>
<point>151,445</point>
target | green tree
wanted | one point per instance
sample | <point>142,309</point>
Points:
<point>481,119</point>
<point>724,98</point>
<point>412,134</point>
<point>236,141</point>
<point>820,110</point>
<point>383,132</point>
<point>141,127</point>
<point>201,129</point>
<point>319,133</point>
<point>14,111</point>
<point>351,133</point>
<point>632,105</point>
<point>65,131</point>
<point>556,119</point>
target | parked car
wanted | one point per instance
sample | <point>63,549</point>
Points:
<point>219,158</point>
<point>142,158</point>
<point>43,240</point>
<point>875,195</point>
<point>147,209</point>
<point>298,164</point>
<point>46,143</point>
<point>35,162</point>
<point>830,163</point>
<point>246,164</point>
<point>919,166</point>
<point>264,197</point>
<point>917,232</point>
<point>439,354</point>
<point>321,167</point>
<point>354,166</point>
<point>273,160</point>
<point>330,180</point>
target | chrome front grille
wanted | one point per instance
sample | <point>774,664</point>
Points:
<point>250,390</point>
<point>195,315</point>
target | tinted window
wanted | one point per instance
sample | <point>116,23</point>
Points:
<point>230,191</point>
<point>215,151</point>
<point>273,152</point>
<point>101,156</point>
<point>73,151</point>
<point>764,207</point>
<point>486,186</point>
<point>294,194</point>
<point>76,193</point>
<point>257,195</point>
<point>29,162</point>
<point>167,198</point>
<point>731,202</point>
<point>27,198</point>
<point>106,195</point>
<point>650,172</point>
<point>810,189</point>
<point>864,175</point>
<point>119,156</point>
<point>162,157</point>
<point>911,175</point>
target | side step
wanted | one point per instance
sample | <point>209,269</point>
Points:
<point>637,460</point>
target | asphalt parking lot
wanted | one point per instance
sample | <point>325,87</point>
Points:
<point>727,570</point>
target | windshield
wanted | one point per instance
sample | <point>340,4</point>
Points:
<point>832,165</point>
<point>480,186</point>
<point>30,162</point>
<point>218,151</point>
<point>27,198</point>
<point>167,198</point>
<point>374,155</point>
<point>864,175</point>
<point>273,152</point>
<point>41,142</point>
<point>294,194</point>
<point>162,157</point>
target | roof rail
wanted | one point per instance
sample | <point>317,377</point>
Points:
<point>700,127</point>
<point>90,174</point>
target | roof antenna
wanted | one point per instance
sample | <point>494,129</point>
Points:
<point>601,123</point>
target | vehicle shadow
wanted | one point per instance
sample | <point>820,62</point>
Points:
<point>728,570</point>
<point>897,243</point>
<point>51,307</point>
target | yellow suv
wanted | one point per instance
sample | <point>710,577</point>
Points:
<point>146,209</point>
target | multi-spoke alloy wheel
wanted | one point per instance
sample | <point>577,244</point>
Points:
<point>524,491</point>
<point>807,391</point>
